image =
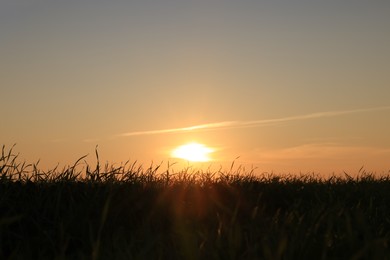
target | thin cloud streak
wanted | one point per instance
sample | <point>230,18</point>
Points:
<point>211,126</point>
<point>253,123</point>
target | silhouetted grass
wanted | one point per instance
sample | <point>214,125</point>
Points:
<point>128,212</point>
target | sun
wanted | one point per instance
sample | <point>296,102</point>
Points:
<point>193,152</point>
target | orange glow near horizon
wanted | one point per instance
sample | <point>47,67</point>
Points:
<point>193,152</point>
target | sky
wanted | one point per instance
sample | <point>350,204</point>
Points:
<point>283,86</point>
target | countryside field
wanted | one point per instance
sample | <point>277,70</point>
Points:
<point>134,212</point>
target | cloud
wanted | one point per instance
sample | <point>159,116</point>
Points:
<point>326,158</point>
<point>211,126</point>
<point>253,123</point>
<point>331,151</point>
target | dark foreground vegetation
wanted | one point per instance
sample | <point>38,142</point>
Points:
<point>132,213</point>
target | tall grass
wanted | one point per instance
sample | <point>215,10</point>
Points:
<point>132,212</point>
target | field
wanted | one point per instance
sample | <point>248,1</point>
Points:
<point>130,212</point>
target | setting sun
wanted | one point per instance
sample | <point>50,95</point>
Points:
<point>193,152</point>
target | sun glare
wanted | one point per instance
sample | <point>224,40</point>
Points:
<point>193,152</point>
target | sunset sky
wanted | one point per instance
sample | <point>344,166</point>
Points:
<point>287,86</point>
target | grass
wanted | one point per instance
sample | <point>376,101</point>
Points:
<point>128,212</point>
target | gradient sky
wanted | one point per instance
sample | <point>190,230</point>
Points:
<point>289,86</point>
